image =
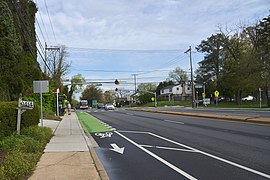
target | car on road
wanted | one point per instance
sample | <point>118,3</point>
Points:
<point>248,98</point>
<point>109,107</point>
<point>100,106</point>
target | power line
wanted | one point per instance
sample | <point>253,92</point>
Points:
<point>50,21</point>
<point>44,27</point>
<point>25,28</point>
<point>125,50</point>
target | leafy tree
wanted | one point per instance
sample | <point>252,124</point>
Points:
<point>76,86</point>
<point>145,96</point>
<point>19,66</point>
<point>9,48</point>
<point>147,87</point>
<point>178,75</point>
<point>91,92</point>
<point>241,66</point>
<point>108,96</point>
<point>210,68</point>
<point>263,32</point>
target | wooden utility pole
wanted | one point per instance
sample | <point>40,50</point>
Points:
<point>192,80</point>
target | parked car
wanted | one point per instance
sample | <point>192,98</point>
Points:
<point>248,98</point>
<point>100,106</point>
<point>109,107</point>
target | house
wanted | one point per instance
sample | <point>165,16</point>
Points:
<point>180,91</point>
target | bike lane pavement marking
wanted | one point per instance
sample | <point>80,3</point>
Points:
<point>191,149</point>
<point>180,171</point>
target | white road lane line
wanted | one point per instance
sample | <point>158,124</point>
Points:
<point>167,148</point>
<point>135,132</point>
<point>147,146</point>
<point>158,158</point>
<point>177,122</point>
<point>130,114</point>
<point>215,157</point>
<point>175,149</point>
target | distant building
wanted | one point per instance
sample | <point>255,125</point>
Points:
<point>178,92</point>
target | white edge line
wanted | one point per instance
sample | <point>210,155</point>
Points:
<point>167,148</point>
<point>176,122</point>
<point>158,158</point>
<point>143,145</point>
<point>135,132</point>
<point>175,149</point>
<point>215,157</point>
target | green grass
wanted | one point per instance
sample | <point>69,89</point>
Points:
<point>167,103</point>
<point>245,104</point>
<point>91,124</point>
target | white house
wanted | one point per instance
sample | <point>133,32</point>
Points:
<point>179,90</point>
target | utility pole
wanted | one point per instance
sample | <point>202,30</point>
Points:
<point>50,57</point>
<point>135,81</point>
<point>192,80</point>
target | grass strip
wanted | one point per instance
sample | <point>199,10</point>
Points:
<point>91,124</point>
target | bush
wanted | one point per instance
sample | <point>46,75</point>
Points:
<point>51,115</point>
<point>8,118</point>
<point>41,134</point>
<point>1,173</point>
<point>18,164</point>
<point>23,151</point>
<point>21,143</point>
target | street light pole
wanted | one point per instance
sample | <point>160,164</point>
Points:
<point>192,80</point>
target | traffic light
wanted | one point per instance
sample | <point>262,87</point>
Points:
<point>116,82</point>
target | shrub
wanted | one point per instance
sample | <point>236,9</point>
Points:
<point>8,118</point>
<point>23,151</point>
<point>41,134</point>
<point>21,143</point>
<point>18,164</point>
<point>1,173</point>
<point>48,114</point>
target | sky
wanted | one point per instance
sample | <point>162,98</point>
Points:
<point>115,39</point>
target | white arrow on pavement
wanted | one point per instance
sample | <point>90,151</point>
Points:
<point>117,149</point>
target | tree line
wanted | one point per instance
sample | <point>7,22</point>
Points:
<point>237,62</point>
<point>18,57</point>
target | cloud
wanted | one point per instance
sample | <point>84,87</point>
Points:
<point>145,23</point>
<point>140,24</point>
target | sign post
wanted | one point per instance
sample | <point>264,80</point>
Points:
<point>22,107</point>
<point>203,96</point>
<point>216,93</point>
<point>57,103</point>
<point>260,93</point>
<point>41,87</point>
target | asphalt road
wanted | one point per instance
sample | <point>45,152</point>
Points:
<point>159,146</point>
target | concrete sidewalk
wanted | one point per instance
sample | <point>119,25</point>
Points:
<point>69,155</point>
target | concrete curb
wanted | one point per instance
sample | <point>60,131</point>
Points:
<point>91,143</point>
<point>213,116</point>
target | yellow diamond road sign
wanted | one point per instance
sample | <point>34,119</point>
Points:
<point>216,93</point>
<point>203,95</point>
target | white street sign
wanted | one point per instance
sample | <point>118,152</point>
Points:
<point>41,86</point>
